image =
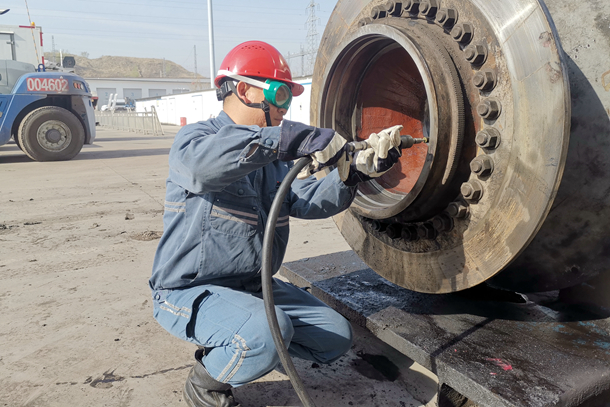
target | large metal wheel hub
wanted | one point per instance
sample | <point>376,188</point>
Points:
<point>488,82</point>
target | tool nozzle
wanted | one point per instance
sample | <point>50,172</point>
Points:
<point>405,142</point>
<point>408,141</point>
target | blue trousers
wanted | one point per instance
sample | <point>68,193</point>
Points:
<point>233,328</point>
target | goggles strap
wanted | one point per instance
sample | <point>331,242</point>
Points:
<point>264,105</point>
<point>223,91</point>
<point>250,81</point>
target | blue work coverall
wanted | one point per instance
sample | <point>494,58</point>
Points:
<point>206,274</point>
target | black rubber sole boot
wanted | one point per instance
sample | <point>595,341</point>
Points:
<point>202,390</point>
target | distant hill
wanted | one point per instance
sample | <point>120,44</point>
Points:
<point>126,67</point>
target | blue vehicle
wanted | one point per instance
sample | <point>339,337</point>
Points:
<point>48,114</point>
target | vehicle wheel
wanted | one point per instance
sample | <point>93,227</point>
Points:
<point>17,141</point>
<point>51,133</point>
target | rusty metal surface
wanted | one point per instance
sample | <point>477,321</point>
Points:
<point>505,236</point>
<point>487,346</point>
<point>405,105</point>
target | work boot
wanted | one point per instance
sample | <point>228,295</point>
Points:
<point>202,390</point>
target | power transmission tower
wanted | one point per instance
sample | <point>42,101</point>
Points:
<point>312,35</point>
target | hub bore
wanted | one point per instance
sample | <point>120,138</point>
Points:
<point>399,73</point>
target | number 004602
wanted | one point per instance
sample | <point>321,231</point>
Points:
<point>47,84</point>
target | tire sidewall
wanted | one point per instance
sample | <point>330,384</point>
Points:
<point>29,126</point>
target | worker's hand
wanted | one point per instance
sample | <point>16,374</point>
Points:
<point>376,160</point>
<point>300,140</point>
<point>384,141</point>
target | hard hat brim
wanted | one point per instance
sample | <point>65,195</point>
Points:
<point>296,88</point>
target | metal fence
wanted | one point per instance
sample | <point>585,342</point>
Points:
<point>140,122</point>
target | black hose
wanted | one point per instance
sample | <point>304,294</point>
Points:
<point>266,278</point>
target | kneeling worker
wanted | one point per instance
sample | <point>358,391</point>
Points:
<point>223,176</point>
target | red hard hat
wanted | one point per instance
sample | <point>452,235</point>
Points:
<point>259,59</point>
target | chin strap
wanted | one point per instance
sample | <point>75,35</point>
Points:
<point>228,87</point>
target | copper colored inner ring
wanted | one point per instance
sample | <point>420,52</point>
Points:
<point>392,93</point>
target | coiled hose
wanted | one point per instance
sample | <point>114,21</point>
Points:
<point>266,279</point>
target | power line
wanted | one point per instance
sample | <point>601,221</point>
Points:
<point>248,10</point>
<point>139,35</point>
<point>181,19</point>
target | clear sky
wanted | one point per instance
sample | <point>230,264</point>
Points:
<point>169,29</point>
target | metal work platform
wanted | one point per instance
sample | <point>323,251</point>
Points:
<point>493,347</point>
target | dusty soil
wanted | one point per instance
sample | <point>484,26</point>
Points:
<point>77,241</point>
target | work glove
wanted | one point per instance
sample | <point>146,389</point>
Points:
<point>379,158</point>
<point>297,140</point>
<point>327,148</point>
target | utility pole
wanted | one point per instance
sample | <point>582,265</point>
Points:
<point>312,35</point>
<point>211,37</point>
<point>302,61</point>
<point>195,51</point>
<point>53,47</point>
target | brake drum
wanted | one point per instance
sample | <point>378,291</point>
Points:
<point>513,187</point>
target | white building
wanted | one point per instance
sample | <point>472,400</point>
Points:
<point>138,88</point>
<point>181,109</point>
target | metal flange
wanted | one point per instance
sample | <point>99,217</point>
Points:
<point>498,78</point>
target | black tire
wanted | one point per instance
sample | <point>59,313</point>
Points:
<point>16,140</point>
<point>51,133</point>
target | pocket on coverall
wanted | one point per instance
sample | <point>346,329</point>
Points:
<point>234,219</point>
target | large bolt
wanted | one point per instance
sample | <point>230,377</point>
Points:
<point>394,231</point>
<point>409,233</point>
<point>472,190</point>
<point>489,109</point>
<point>475,54</point>
<point>457,210</point>
<point>393,8</point>
<point>427,231</point>
<point>482,165</point>
<point>428,8</point>
<point>378,12</point>
<point>488,138</point>
<point>462,33</point>
<point>378,226</point>
<point>411,6</point>
<point>446,17</point>
<point>484,79</point>
<point>442,223</point>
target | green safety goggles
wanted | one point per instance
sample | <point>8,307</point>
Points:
<point>278,94</point>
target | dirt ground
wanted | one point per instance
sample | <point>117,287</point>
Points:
<point>77,241</point>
